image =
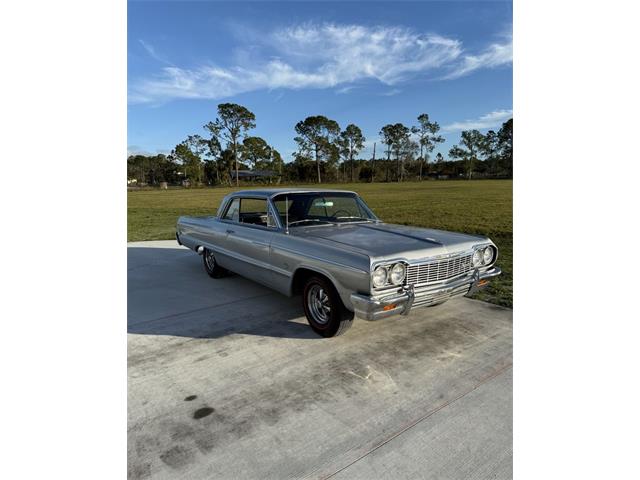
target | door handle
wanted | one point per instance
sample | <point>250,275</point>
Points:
<point>230,231</point>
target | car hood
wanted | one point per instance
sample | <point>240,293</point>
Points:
<point>388,241</point>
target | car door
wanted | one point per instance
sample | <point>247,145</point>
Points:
<point>249,228</point>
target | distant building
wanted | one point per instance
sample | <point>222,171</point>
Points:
<point>254,174</point>
<point>438,175</point>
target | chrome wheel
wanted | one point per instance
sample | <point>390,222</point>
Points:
<point>324,309</point>
<point>211,266</point>
<point>319,304</point>
<point>210,260</point>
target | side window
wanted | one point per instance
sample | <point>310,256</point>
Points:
<point>233,212</point>
<point>255,211</point>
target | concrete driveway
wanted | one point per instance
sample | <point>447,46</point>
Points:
<point>226,380</point>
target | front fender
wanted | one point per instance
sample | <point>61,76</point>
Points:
<point>346,280</point>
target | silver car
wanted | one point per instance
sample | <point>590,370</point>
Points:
<point>330,247</point>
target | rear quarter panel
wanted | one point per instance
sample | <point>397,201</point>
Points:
<point>196,231</point>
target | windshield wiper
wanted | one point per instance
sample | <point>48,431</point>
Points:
<point>355,218</point>
<point>308,220</point>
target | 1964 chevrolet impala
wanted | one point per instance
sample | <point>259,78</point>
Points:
<point>330,247</point>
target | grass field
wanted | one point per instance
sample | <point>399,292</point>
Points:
<point>482,206</point>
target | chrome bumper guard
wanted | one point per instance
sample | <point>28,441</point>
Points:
<point>401,302</point>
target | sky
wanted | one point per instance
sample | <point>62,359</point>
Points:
<point>367,63</point>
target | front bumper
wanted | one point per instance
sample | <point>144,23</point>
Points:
<point>401,302</point>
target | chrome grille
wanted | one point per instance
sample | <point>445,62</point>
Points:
<point>438,271</point>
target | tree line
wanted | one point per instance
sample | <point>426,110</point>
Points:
<point>325,153</point>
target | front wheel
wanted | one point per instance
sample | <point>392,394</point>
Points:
<point>211,266</point>
<point>325,312</point>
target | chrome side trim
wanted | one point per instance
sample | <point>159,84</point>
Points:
<point>324,260</point>
<point>243,258</point>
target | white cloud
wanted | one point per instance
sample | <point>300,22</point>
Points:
<point>136,150</point>
<point>152,52</point>
<point>347,89</point>
<point>492,119</point>
<point>319,56</point>
<point>494,55</point>
<point>391,93</point>
<point>345,53</point>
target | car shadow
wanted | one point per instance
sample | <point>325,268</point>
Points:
<point>169,293</point>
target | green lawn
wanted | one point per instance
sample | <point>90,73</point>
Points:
<point>480,206</point>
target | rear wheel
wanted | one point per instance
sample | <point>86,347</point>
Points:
<point>211,266</point>
<point>323,307</point>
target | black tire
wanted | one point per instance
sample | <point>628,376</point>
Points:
<point>211,266</point>
<point>326,313</point>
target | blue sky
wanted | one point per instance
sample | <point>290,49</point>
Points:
<point>368,63</point>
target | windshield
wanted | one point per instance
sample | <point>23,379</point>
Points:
<point>321,208</point>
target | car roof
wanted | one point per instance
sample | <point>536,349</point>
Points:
<point>271,192</point>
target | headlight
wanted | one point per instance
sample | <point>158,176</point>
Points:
<point>397,274</point>
<point>487,255</point>
<point>477,257</point>
<point>379,276</point>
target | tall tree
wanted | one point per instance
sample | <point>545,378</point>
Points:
<point>408,150</point>
<point>213,150</point>
<point>387,137</point>
<point>373,163</point>
<point>458,154</point>
<point>428,137</point>
<point>191,162</point>
<point>255,151</point>
<point>316,135</point>
<point>491,151</point>
<point>474,143</point>
<point>277,164</point>
<point>351,142</point>
<point>332,159</point>
<point>505,145</point>
<point>197,145</point>
<point>226,165</point>
<point>396,137</point>
<point>232,124</point>
<point>302,167</point>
